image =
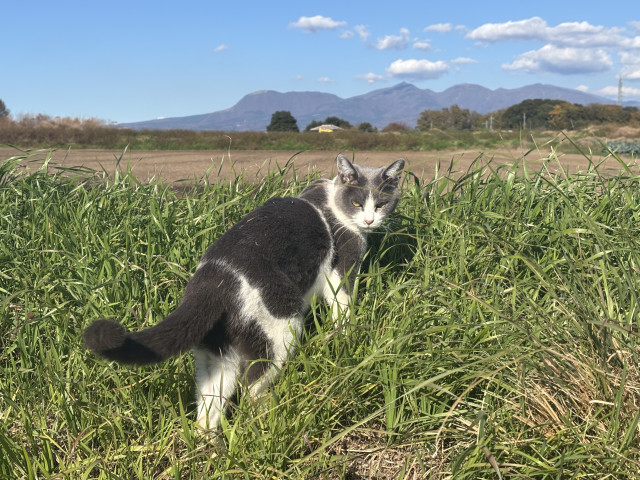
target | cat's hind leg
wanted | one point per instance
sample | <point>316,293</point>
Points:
<point>282,335</point>
<point>216,377</point>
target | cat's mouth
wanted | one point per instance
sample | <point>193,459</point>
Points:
<point>367,226</point>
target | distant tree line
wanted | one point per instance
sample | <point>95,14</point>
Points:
<point>540,114</point>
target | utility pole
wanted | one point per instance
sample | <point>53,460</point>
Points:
<point>524,120</point>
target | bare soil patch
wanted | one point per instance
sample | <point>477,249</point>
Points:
<point>188,165</point>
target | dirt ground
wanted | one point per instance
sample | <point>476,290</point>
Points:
<point>176,165</point>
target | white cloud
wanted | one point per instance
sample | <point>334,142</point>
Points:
<point>573,28</point>
<point>394,42</point>
<point>347,34</point>
<point>631,72</point>
<point>565,60</point>
<point>630,66</point>
<point>629,58</point>
<point>439,27</point>
<point>582,88</point>
<point>362,31</point>
<point>417,69</point>
<point>567,34</point>
<point>633,93</point>
<point>609,91</point>
<point>317,23</point>
<point>298,78</point>
<point>583,34</point>
<point>463,60</point>
<point>529,29</point>
<point>372,78</point>
<point>324,80</point>
<point>627,92</point>
<point>220,48</point>
<point>423,45</point>
<point>568,48</point>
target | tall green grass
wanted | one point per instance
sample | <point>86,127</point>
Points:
<point>494,332</point>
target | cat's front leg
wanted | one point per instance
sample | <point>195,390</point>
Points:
<point>337,297</point>
<point>340,308</point>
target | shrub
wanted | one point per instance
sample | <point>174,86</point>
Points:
<point>366,127</point>
<point>396,127</point>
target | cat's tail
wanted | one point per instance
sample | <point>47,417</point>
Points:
<point>184,328</point>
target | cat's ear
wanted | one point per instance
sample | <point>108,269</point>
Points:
<point>390,174</point>
<point>346,171</point>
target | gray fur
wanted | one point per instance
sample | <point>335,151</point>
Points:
<point>243,309</point>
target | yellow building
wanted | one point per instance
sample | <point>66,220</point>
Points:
<point>325,128</point>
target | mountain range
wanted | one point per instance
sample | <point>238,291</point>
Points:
<point>401,103</point>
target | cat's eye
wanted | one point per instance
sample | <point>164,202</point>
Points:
<point>380,205</point>
<point>356,204</point>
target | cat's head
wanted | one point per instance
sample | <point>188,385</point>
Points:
<point>366,195</point>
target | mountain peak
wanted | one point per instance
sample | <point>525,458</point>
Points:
<point>402,85</point>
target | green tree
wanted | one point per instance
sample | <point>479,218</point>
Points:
<point>492,120</point>
<point>4,111</point>
<point>430,119</point>
<point>533,113</point>
<point>598,113</point>
<point>366,127</point>
<point>452,117</point>
<point>338,122</point>
<point>283,121</point>
<point>566,116</point>
<point>460,118</point>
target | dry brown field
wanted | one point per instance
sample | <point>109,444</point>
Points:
<point>176,165</point>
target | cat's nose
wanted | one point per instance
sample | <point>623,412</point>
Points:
<point>368,221</point>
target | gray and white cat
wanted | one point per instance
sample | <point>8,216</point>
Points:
<point>248,296</point>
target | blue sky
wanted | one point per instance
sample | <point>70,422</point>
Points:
<point>133,60</point>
